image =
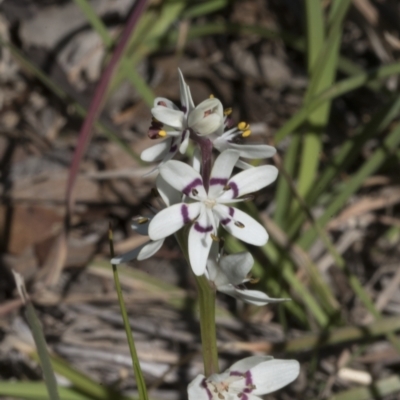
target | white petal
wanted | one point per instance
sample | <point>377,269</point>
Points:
<point>212,263</point>
<point>163,102</point>
<point>196,390</point>
<point>236,266</point>
<point>171,219</point>
<point>150,249</point>
<point>185,142</point>
<point>249,362</point>
<point>168,116</point>
<point>243,165</point>
<point>253,151</point>
<point>129,256</point>
<point>168,193</point>
<point>156,152</point>
<point>207,117</point>
<point>254,297</point>
<point>250,180</point>
<point>241,225</point>
<point>200,241</point>
<point>273,375</point>
<point>186,97</point>
<point>221,172</point>
<point>183,178</point>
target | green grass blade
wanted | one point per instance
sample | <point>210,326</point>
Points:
<point>322,65</point>
<point>283,197</point>
<point>141,384</point>
<point>379,156</point>
<point>315,31</point>
<point>346,156</point>
<point>149,37</point>
<point>273,286</point>
<point>377,390</point>
<point>37,391</point>
<point>97,24</point>
<point>204,8</point>
<point>83,383</point>
<point>40,341</point>
<point>312,341</point>
<point>336,90</point>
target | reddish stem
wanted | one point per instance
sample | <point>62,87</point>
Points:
<point>206,147</point>
<point>98,99</point>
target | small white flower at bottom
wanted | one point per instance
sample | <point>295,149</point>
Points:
<point>245,380</point>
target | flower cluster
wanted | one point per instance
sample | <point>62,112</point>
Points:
<point>200,199</point>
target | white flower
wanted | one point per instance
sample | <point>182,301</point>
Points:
<point>140,225</point>
<point>175,124</point>
<point>231,139</point>
<point>208,208</point>
<point>245,380</point>
<point>229,273</point>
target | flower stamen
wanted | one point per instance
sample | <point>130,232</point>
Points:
<point>228,111</point>
<point>243,126</point>
<point>215,238</point>
<point>162,133</point>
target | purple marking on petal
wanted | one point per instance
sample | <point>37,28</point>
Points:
<point>218,181</point>
<point>234,188</point>
<point>202,229</point>
<point>231,211</point>
<point>173,148</point>
<point>204,385</point>
<point>185,214</point>
<point>183,109</point>
<point>225,221</point>
<point>244,396</point>
<point>235,373</point>
<point>249,380</point>
<point>192,185</point>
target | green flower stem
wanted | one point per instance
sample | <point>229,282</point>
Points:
<point>132,348</point>
<point>207,313</point>
<point>207,325</point>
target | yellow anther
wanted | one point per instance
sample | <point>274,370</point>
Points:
<point>246,133</point>
<point>211,96</point>
<point>254,280</point>
<point>142,220</point>
<point>243,126</point>
<point>162,133</point>
<point>228,111</point>
<point>215,238</point>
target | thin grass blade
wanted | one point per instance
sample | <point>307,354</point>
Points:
<point>38,336</point>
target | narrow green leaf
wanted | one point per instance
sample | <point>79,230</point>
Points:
<point>377,390</point>
<point>379,156</point>
<point>346,157</point>
<point>129,336</point>
<point>38,336</point>
<point>336,90</point>
<point>37,391</point>
<point>204,8</point>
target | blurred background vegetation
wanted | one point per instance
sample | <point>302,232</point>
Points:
<point>317,79</point>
